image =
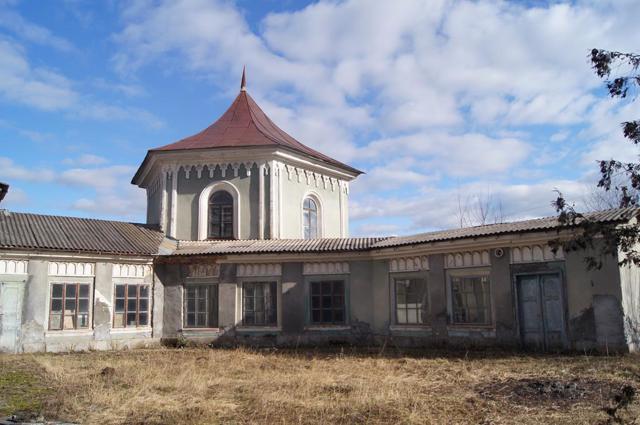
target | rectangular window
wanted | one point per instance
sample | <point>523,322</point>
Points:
<point>327,302</point>
<point>70,303</point>
<point>259,304</point>
<point>471,300</point>
<point>201,306</point>
<point>132,306</point>
<point>411,301</point>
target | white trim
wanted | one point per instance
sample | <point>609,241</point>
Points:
<point>203,207</point>
<point>255,270</point>
<point>468,259</point>
<point>320,213</point>
<point>60,268</point>
<point>261,171</point>
<point>130,270</point>
<point>409,264</point>
<point>174,202</point>
<point>535,254</point>
<point>163,202</point>
<point>317,268</point>
<point>9,266</point>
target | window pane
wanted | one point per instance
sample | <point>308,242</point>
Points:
<point>338,316</point>
<point>83,306</point>
<point>70,305</point>
<point>84,291</point>
<point>315,288</point>
<point>191,319</point>
<point>326,316</point>
<point>326,287</point>
<point>120,291</point>
<point>144,291</point>
<point>56,290</point>
<point>83,320</point>
<point>316,316</point>
<point>69,322</point>
<point>144,319</point>
<point>55,321</point>
<point>144,304</point>
<point>131,305</point>
<point>131,319</point>
<point>132,291</point>
<point>120,305</point>
<point>338,287</point>
<point>118,320</point>
<point>56,306</point>
<point>70,291</point>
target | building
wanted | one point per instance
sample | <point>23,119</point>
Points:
<point>247,241</point>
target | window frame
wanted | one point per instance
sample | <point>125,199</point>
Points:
<point>126,303</point>
<point>470,273</point>
<point>90,298</point>
<point>240,324</point>
<point>319,215</point>
<point>311,325</point>
<point>221,223</point>
<point>215,311</point>
<point>394,301</point>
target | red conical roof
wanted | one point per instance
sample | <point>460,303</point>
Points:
<point>245,124</point>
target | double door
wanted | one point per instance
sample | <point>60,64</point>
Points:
<point>541,311</point>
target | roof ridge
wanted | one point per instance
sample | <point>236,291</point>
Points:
<point>148,226</point>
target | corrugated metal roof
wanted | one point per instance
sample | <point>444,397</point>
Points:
<point>275,246</point>
<point>364,244</point>
<point>46,232</point>
<point>538,224</point>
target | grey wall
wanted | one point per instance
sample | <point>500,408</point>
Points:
<point>188,200</point>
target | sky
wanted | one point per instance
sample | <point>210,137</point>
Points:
<point>441,103</point>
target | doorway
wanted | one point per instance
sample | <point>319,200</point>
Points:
<point>9,316</point>
<point>541,311</point>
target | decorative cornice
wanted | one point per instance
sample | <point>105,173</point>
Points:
<point>468,259</point>
<point>204,270</point>
<point>265,269</point>
<point>338,267</point>
<point>13,266</point>
<point>130,270</point>
<point>534,254</point>
<point>59,268</point>
<point>409,264</point>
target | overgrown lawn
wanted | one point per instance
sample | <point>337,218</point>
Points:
<point>167,386</point>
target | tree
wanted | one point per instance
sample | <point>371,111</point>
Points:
<point>479,209</point>
<point>622,77</point>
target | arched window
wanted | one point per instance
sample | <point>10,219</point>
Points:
<point>220,215</point>
<point>310,218</point>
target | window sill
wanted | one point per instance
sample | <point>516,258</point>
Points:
<point>68,332</point>
<point>463,326</point>
<point>258,329</point>
<point>327,328</point>
<point>131,330</point>
<point>410,328</point>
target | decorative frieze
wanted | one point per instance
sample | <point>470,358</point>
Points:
<point>13,266</point>
<point>204,270</point>
<point>60,268</point>
<point>265,269</point>
<point>337,267</point>
<point>535,253</point>
<point>409,264</point>
<point>131,270</point>
<point>468,259</point>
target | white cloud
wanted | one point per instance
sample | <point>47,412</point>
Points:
<point>15,198</point>
<point>31,32</point>
<point>9,171</point>
<point>86,159</point>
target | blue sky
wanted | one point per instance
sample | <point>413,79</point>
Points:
<point>442,103</point>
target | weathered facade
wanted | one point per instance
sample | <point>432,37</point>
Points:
<point>247,241</point>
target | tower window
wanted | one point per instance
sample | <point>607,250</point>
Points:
<point>310,218</point>
<point>221,215</point>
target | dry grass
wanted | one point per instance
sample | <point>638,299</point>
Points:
<point>163,386</point>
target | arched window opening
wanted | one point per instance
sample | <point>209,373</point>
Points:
<point>220,215</point>
<point>310,218</point>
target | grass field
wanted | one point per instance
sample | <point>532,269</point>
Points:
<point>184,386</point>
